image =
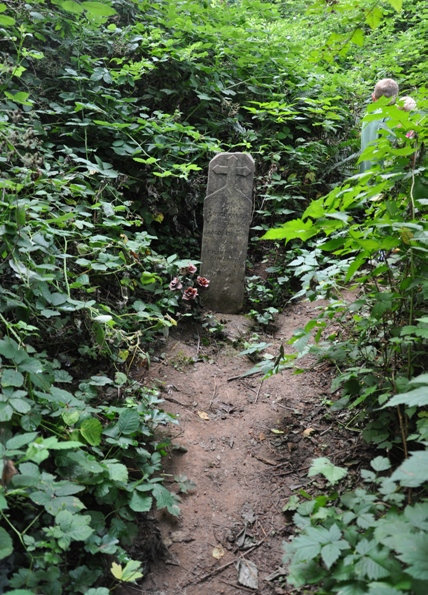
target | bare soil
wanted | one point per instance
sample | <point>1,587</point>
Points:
<point>242,448</point>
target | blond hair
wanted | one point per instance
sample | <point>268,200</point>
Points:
<point>386,88</point>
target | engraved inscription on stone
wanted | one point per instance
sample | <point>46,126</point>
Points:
<point>227,217</point>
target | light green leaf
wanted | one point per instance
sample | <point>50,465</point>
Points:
<point>98,9</point>
<point>11,378</point>
<point>367,567</point>
<point>380,464</point>
<point>20,96</point>
<point>6,545</point>
<point>329,554</point>
<point>358,37</point>
<point>396,4</point>
<point>117,471</point>
<point>414,471</point>
<point>414,398</point>
<point>292,230</point>
<point>374,17</point>
<point>140,503</point>
<point>414,551</point>
<point>91,430</point>
<point>20,440</point>
<point>323,466</point>
<point>71,6</point>
<point>6,21</point>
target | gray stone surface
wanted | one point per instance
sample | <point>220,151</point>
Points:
<point>227,216</point>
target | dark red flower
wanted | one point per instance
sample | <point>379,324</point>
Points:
<point>202,281</point>
<point>175,284</point>
<point>190,293</point>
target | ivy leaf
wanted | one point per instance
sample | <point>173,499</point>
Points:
<point>6,545</point>
<point>91,430</point>
<point>324,467</point>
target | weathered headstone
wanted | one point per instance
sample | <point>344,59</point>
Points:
<point>227,216</point>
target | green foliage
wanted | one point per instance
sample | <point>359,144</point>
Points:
<point>365,541</point>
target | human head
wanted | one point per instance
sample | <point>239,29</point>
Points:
<point>407,103</point>
<point>385,88</point>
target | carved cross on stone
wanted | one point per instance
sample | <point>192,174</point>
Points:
<point>227,217</point>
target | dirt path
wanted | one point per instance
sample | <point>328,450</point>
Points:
<point>245,446</point>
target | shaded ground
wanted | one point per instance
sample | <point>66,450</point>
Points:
<point>242,448</point>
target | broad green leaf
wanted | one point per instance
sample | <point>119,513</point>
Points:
<point>131,572</point>
<point>329,554</point>
<point>292,230</point>
<point>20,440</point>
<point>91,430</point>
<point>374,17</point>
<point>414,471</point>
<point>70,416</point>
<point>396,4</point>
<point>98,9</point>
<point>11,377</point>
<point>20,96</point>
<point>305,548</point>
<point>6,21</point>
<point>358,37</point>
<point>6,412</point>
<point>380,464</point>
<point>323,466</point>
<point>414,552</point>
<point>414,398</point>
<point>6,544</point>
<point>367,567</point>
<point>129,421</point>
<point>117,471</point>
<point>71,6</point>
<point>140,503</point>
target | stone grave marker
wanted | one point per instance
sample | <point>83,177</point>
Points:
<point>227,216</point>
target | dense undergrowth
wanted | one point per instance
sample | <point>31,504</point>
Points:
<point>109,114</point>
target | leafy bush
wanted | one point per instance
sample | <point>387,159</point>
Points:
<point>367,540</point>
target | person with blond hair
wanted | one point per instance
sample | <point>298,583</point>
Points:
<point>370,130</point>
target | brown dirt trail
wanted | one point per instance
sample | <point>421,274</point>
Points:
<point>246,446</point>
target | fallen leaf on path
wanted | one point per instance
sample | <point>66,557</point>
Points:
<point>275,431</point>
<point>248,574</point>
<point>308,432</point>
<point>218,552</point>
<point>203,415</point>
<point>262,436</point>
